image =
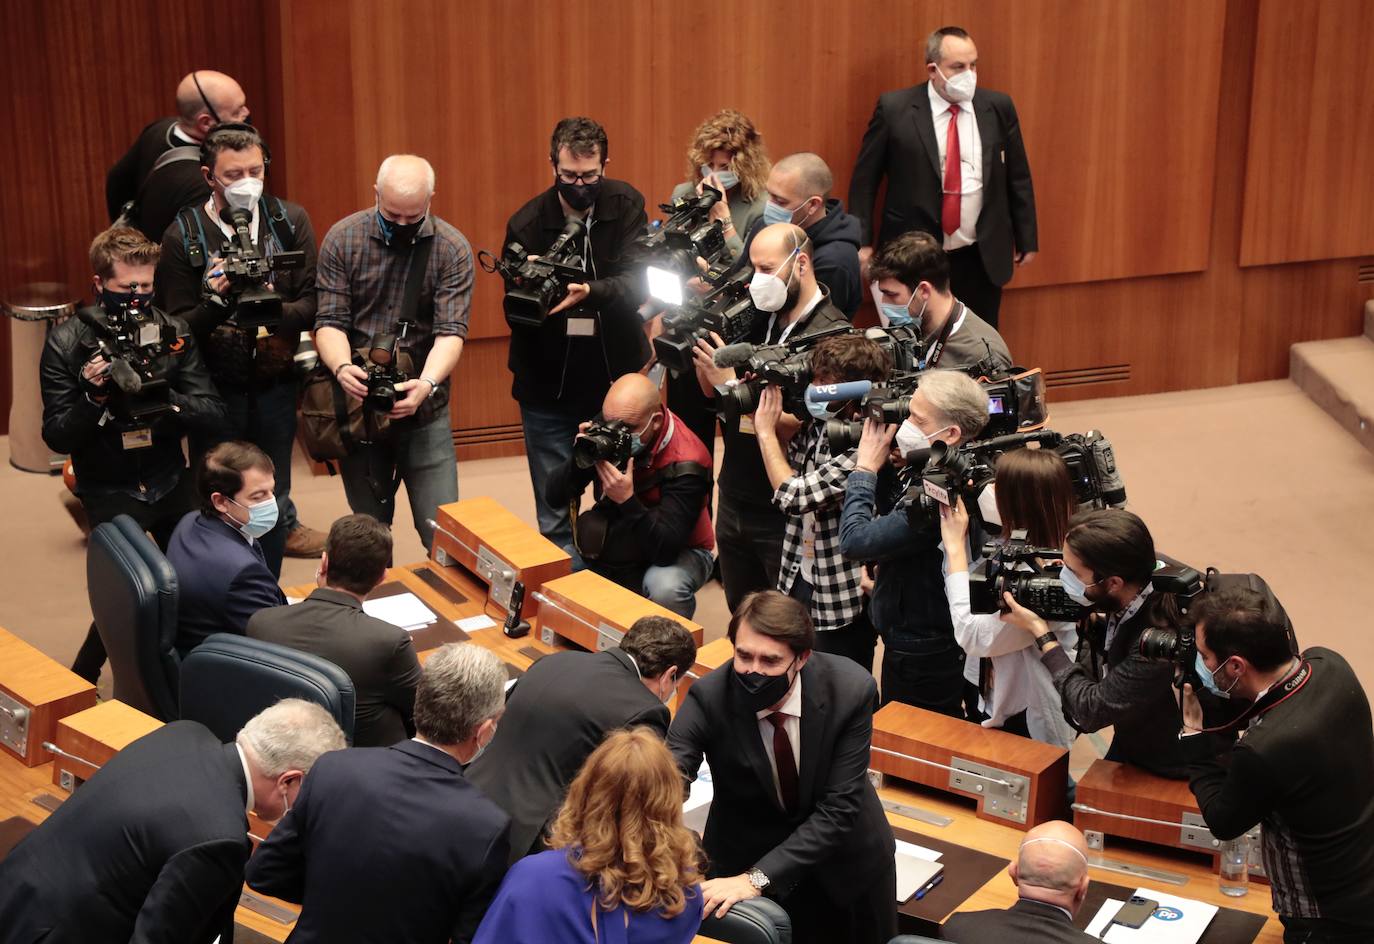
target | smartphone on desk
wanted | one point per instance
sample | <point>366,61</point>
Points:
<point>1134,913</point>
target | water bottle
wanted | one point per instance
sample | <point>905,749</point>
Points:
<point>1234,877</point>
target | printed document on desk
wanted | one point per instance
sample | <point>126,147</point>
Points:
<point>1175,921</point>
<point>404,610</point>
<point>698,805</point>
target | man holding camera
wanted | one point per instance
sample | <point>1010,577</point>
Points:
<point>923,664</point>
<point>792,304</point>
<point>393,269</point>
<point>1304,767</point>
<point>562,368</point>
<point>125,449</point>
<point>247,305</point>
<point>649,530</point>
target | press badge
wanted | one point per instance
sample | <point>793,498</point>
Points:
<point>746,425</point>
<point>581,327</point>
<point>140,438</point>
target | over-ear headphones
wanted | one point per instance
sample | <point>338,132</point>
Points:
<point>238,127</point>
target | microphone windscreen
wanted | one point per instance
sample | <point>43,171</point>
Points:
<point>733,355</point>
<point>125,377</point>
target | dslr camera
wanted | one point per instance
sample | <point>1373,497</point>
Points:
<point>135,350</point>
<point>786,366</point>
<point>1177,645</point>
<point>671,248</point>
<point>535,285</point>
<point>249,272</point>
<point>604,441</point>
<point>728,311</point>
<point>384,369</point>
<point>1018,568</point>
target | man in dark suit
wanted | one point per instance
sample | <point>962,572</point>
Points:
<point>787,733</point>
<point>1051,876</point>
<point>562,708</point>
<point>393,843</point>
<point>152,847</point>
<point>330,623</point>
<point>981,204</point>
<point>222,575</point>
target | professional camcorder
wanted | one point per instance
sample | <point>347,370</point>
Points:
<point>727,310</point>
<point>384,369</point>
<point>786,366</point>
<point>671,249</point>
<point>135,349</point>
<point>1026,572</point>
<point>536,285</point>
<point>249,273</point>
<point>604,441</point>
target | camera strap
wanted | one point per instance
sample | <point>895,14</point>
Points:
<point>416,264</point>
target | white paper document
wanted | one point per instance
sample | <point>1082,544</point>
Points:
<point>917,852</point>
<point>474,623</point>
<point>698,804</point>
<point>1175,921</point>
<point>404,610</point>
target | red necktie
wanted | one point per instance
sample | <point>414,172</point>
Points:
<point>953,195</point>
<point>785,761</point>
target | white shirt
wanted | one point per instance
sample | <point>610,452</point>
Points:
<point>791,707</point>
<point>228,230</point>
<point>970,165</point>
<point>248,779</point>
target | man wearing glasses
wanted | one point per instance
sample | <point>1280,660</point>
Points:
<point>563,368</point>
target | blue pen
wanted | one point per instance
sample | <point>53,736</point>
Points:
<point>933,882</point>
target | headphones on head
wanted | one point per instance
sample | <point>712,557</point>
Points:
<point>207,157</point>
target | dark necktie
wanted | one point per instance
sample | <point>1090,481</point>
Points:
<point>785,761</point>
<point>950,204</point>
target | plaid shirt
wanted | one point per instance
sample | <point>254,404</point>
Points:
<point>818,489</point>
<point>361,282</point>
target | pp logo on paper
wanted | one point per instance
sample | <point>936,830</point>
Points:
<point>1165,913</point>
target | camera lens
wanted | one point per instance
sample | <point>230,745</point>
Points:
<point>1161,645</point>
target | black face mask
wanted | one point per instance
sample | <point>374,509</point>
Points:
<point>399,235</point>
<point>579,196</point>
<point>115,304</point>
<point>763,691</point>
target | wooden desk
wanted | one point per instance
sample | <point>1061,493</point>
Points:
<point>96,735</point>
<point>39,690</point>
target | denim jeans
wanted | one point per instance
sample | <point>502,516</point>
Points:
<point>675,586</point>
<point>420,456</point>
<point>548,447</point>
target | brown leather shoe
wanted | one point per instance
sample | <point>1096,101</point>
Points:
<point>304,542</point>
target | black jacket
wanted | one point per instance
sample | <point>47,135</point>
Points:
<point>174,186</point>
<point>378,657</point>
<point>900,145</point>
<point>835,244</point>
<point>553,371</point>
<point>385,844</point>
<point>181,290</point>
<point>557,714</point>
<point>1032,922</point>
<point>839,837</point>
<point>150,849</point>
<point>71,422</point>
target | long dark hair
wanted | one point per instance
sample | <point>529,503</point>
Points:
<point>1035,493</point>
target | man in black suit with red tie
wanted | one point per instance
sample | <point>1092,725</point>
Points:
<point>980,203</point>
<point>787,733</point>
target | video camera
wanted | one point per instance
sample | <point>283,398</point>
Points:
<point>1018,568</point>
<point>535,285</point>
<point>134,348</point>
<point>603,441</point>
<point>671,249</point>
<point>786,366</point>
<point>728,311</point>
<point>249,272</point>
<point>384,370</point>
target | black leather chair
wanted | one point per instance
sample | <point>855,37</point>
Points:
<point>227,679</point>
<point>133,594</point>
<point>754,921</point>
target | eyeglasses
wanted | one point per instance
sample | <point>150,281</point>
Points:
<point>590,177</point>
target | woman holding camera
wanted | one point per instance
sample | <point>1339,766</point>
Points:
<point>623,868</point>
<point>727,153</point>
<point>1035,494</point>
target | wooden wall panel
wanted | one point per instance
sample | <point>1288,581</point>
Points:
<point>1309,187</point>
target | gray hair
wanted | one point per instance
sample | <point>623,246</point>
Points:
<point>462,685</point>
<point>937,39</point>
<point>958,398</point>
<point>408,185</point>
<point>291,735</point>
<point>812,172</point>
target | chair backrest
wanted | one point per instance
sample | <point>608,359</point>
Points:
<point>227,679</point>
<point>133,591</point>
<point>754,921</point>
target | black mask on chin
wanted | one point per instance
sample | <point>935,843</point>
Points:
<point>579,196</point>
<point>763,691</point>
<point>116,303</point>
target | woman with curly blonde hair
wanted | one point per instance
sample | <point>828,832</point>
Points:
<point>727,153</point>
<point>623,868</point>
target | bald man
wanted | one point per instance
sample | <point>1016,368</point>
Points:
<point>651,505</point>
<point>365,261</point>
<point>161,170</point>
<point>1051,876</point>
<point>799,193</point>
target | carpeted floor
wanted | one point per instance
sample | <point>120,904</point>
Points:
<point>1244,478</point>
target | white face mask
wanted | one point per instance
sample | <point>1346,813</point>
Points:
<point>769,293</point>
<point>960,88</point>
<point>910,438</point>
<point>243,193</point>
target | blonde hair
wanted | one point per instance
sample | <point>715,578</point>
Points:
<point>121,244</point>
<point>622,825</point>
<point>731,131</point>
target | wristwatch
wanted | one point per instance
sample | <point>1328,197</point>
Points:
<point>757,879</point>
<point>432,386</point>
<point>1042,641</point>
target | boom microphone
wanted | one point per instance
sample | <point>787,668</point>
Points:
<point>733,355</point>
<point>125,377</point>
<point>571,229</point>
